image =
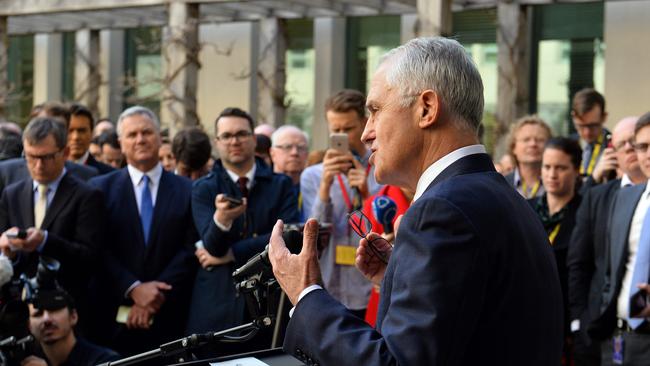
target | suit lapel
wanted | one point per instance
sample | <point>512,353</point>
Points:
<point>26,200</point>
<point>62,196</point>
<point>164,196</point>
<point>624,207</point>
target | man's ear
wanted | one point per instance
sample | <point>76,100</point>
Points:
<point>430,108</point>
<point>66,152</point>
<point>74,317</point>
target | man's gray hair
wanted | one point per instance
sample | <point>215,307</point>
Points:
<point>137,110</point>
<point>442,65</point>
<point>285,129</point>
<point>40,128</point>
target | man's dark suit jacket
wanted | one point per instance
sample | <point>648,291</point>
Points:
<point>15,170</point>
<point>166,257</point>
<point>215,303</point>
<point>619,224</point>
<point>471,281</point>
<point>587,253</point>
<point>75,231</point>
<point>101,167</point>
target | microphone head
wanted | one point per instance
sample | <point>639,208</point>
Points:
<point>384,209</point>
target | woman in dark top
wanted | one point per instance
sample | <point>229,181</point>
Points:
<point>557,210</point>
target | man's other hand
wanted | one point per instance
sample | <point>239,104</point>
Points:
<point>226,213</point>
<point>149,295</point>
<point>139,318</point>
<point>33,361</point>
<point>334,162</point>
<point>358,179</point>
<point>606,163</point>
<point>645,313</point>
<point>367,262</point>
<point>295,272</point>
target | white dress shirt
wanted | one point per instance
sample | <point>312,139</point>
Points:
<point>432,172</point>
<point>154,182</point>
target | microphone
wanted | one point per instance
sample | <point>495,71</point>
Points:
<point>6,270</point>
<point>260,262</point>
<point>384,209</point>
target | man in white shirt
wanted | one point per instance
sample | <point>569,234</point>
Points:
<point>149,263</point>
<point>621,317</point>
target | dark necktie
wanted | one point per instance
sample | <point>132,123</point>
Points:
<point>242,182</point>
<point>146,208</point>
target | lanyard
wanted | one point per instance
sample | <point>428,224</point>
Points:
<point>553,234</point>
<point>594,156</point>
<point>533,192</point>
<point>346,196</point>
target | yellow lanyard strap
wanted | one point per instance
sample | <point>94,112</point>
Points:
<point>553,234</point>
<point>533,192</point>
<point>594,156</point>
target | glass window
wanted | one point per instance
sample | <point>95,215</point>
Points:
<point>476,30</point>
<point>21,78</point>
<point>567,41</point>
<point>300,71</point>
<point>143,65</point>
<point>553,82</point>
<point>368,38</point>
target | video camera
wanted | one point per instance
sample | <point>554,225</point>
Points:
<point>42,290</point>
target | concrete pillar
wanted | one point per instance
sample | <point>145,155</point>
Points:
<point>408,26</point>
<point>48,67</point>
<point>87,79</point>
<point>111,65</point>
<point>4,66</point>
<point>329,49</point>
<point>180,51</point>
<point>627,80</point>
<point>271,72</point>
<point>513,70</point>
<point>434,18</point>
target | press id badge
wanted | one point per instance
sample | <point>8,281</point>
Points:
<point>618,349</point>
<point>346,255</point>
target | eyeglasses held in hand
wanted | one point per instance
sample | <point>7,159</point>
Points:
<point>362,226</point>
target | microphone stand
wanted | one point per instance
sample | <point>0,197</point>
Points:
<point>195,340</point>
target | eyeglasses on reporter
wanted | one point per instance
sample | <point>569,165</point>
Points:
<point>43,158</point>
<point>290,147</point>
<point>240,135</point>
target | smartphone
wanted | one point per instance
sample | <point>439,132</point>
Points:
<point>234,202</point>
<point>339,142</point>
<point>638,303</point>
<point>20,234</point>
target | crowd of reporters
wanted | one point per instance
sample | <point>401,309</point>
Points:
<point>148,228</point>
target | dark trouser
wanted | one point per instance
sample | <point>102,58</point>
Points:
<point>586,352</point>
<point>636,349</point>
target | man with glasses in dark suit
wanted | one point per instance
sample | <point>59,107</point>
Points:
<point>233,231</point>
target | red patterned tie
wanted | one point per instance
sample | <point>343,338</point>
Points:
<point>242,182</point>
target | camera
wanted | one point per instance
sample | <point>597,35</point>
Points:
<point>42,290</point>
